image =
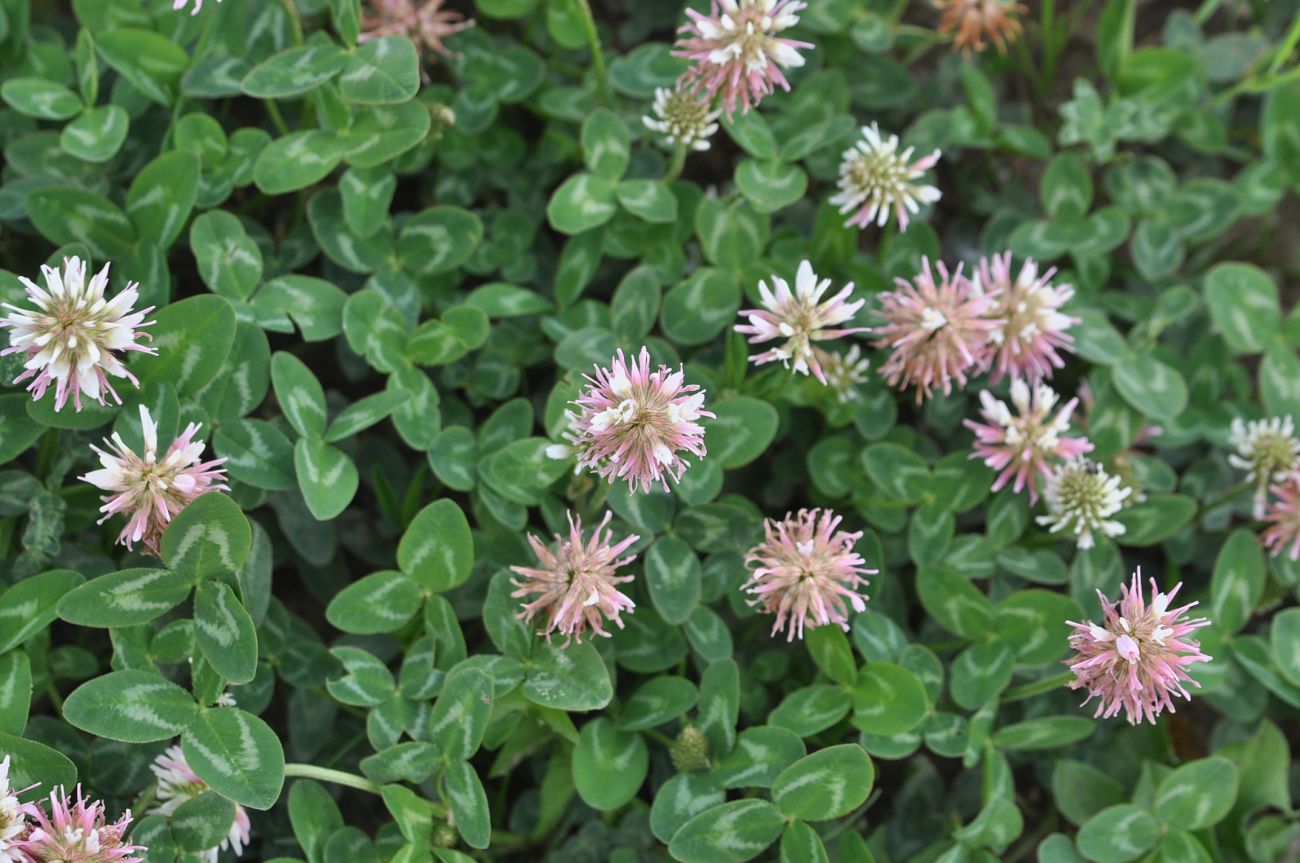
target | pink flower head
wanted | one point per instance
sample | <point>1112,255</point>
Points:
<point>1033,332</point>
<point>976,22</point>
<point>13,819</point>
<point>876,179</point>
<point>72,336</point>
<point>425,23</point>
<point>800,318</point>
<point>1135,660</point>
<point>149,490</point>
<point>805,571</point>
<point>74,831</point>
<point>1283,516</point>
<point>178,5</point>
<point>575,585</point>
<point>937,331</point>
<point>633,424</point>
<point>737,50</point>
<point>1022,445</point>
<point>178,784</point>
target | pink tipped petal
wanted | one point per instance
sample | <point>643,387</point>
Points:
<point>1032,332</point>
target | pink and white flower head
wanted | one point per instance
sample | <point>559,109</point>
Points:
<point>800,318</point>
<point>1033,333</point>
<point>1267,450</point>
<point>806,572</point>
<point>74,334</point>
<point>845,372</point>
<point>876,179</point>
<point>1283,517</point>
<point>74,831</point>
<point>1081,498</point>
<point>738,51</point>
<point>13,819</point>
<point>178,5</point>
<point>150,490</point>
<point>178,784</point>
<point>1136,659</point>
<point>634,424</point>
<point>937,331</point>
<point>575,584</point>
<point>425,23</point>
<point>1022,446</point>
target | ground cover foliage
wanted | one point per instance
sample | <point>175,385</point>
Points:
<point>416,371</point>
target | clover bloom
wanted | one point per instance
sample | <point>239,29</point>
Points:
<point>800,318</point>
<point>1023,445</point>
<point>1081,498</point>
<point>937,331</point>
<point>178,784</point>
<point>575,585</point>
<point>737,50</point>
<point>1283,516</point>
<point>74,831</point>
<point>1137,658</point>
<point>72,337</point>
<point>425,23</point>
<point>13,819</point>
<point>1033,332</point>
<point>178,5</point>
<point>150,491</point>
<point>806,572</point>
<point>1267,450</point>
<point>634,424</point>
<point>682,117</point>
<point>875,178</point>
<point>844,372</point>
<point>976,21</point>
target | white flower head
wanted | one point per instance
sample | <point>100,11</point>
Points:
<point>1081,498</point>
<point>876,179</point>
<point>178,784</point>
<point>1267,450</point>
<point>13,818</point>
<point>683,117</point>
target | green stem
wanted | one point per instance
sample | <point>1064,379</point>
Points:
<point>597,56</point>
<point>675,166</point>
<point>1288,45</point>
<point>295,22</point>
<point>1038,687</point>
<point>337,777</point>
<point>1206,10</point>
<point>277,119</point>
<point>954,644</point>
<point>1226,496</point>
<point>49,448</point>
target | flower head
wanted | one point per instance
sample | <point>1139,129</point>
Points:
<point>800,318</point>
<point>178,5</point>
<point>682,117</point>
<point>13,819</point>
<point>1136,658</point>
<point>1081,497</point>
<point>152,490</point>
<point>737,50</point>
<point>937,331</point>
<point>1033,333</point>
<point>844,372</point>
<point>74,831</point>
<point>1283,516</point>
<point>72,337</point>
<point>574,584</point>
<point>974,21</point>
<point>806,572</point>
<point>1022,446</point>
<point>875,177</point>
<point>633,424</point>
<point>178,784</point>
<point>424,22</point>
<point>1267,450</point>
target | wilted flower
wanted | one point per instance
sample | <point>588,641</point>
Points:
<point>1283,516</point>
<point>149,490</point>
<point>13,818</point>
<point>937,331</point>
<point>737,51</point>
<point>1136,659</point>
<point>575,585</point>
<point>806,572</point>
<point>682,117</point>
<point>800,318</point>
<point>633,424</point>
<point>74,831</point>
<point>72,336</point>
<point>424,22</point>
<point>178,5</point>
<point>875,177</point>
<point>178,784</point>
<point>844,372</point>
<point>1023,445</point>
<point>1267,450</point>
<point>1033,332</point>
<point>975,20</point>
<point>1081,498</point>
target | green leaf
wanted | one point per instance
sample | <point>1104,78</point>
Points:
<point>460,715</point>
<point>954,602</point>
<point>468,803</point>
<point>294,71</point>
<point>438,240</point>
<point>605,146</point>
<point>229,262</point>
<point>131,706</point>
<point>437,550</point>
<point>379,602</point>
<point>257,453</point>
<point>901,473</point>
<point>33,763</point>
<point>770,185</point>
<point>760,754</point>
<point>649,200</point>
<point>193,338</point>
<point>225,632</point>
<point>582,202</point>
<point>300,394</point>
<point>728,833</point>
<point>66,215</point>
<point>1284,638</point>
<point>1046,732</point>
<point>753,133</point>
<point>41,99</point>
<point>699,308</point>
<point>829,648</point>
<point>209,537</point>
<point>1026,621</point>
<point>680,798</point>
<point>888,699</point>
<point>151,62</point>
<point>980,672</point>
<point>127,598</point>
<point>380,133</point>
<point>609,764</point>
<point>812,709</point>
<point>297,160</point>
<point>453,457</point>
<point>202,822</point>
<point>18,430</point>
<point>327,477</point>
<point>315,305</point>
<point>829,783</point>
<point>720,705</point>
<point>1151,387</point>
<point>503,300</point>
<point>801,844</point>
<point>741,431</point>
<point>15,692</point>
<point>1155,519</point>
<point>1244,306</point>
<point>364,413</point>
<point>1279,381</point>
<point>1117,834</point>
<point>1197,795</point>
<point>161,196</point>
<point>380,72</point>
<point>366,681</point>
<point>1082,790</point>
<point>314,816</point>
<point>572,678</point>
<point>658,700</point>
<point>1238,581</point>
<point>237,755</point>
<point>29,606</point>
<point>674,578</point>
<point>732,235</point>
<point>97,134</point>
